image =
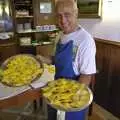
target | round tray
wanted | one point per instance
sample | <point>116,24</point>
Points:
<point>38,62</point>
<point>73,109</point>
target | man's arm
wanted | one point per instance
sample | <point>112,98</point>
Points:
<point>86,79</point>
<point>47,60</point>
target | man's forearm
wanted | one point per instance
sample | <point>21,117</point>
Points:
<point>86,79</point>
<point>47,60</point>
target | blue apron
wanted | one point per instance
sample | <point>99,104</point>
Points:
<point>64,69</point>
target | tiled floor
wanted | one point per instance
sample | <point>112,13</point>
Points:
<point>26,113</point>
<point>101,114</point>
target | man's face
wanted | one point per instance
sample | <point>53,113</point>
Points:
<point>67,19</point>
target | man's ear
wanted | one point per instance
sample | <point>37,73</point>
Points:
<point>77,12</point>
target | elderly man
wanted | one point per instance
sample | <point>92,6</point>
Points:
<point>75,52</point>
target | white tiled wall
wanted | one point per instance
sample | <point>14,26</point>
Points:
<point>109,30</point>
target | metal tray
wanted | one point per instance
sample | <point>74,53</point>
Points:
<point>73,109</point>
<point>38,62</point>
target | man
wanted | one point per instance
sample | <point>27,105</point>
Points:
<point>75,52</point>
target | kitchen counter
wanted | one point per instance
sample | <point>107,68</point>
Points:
<point>15,96</point>
<point>109,42</point>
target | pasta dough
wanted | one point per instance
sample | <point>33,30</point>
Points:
<point>66,94</point>
<point>21,70</point>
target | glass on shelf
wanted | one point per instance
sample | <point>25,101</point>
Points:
<point>25,41</point>
<point>6,23</point>
<point>22,13</point>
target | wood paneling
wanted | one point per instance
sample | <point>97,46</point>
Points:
<point>45,50</point>
<point>7,50</point>
<point>108,80</point>
<point>40,18</point>
<point>18,100</point>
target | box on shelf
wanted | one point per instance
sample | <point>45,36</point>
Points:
<point>20,27</point>
<point>22,13</point>
<point>46,28</point>
<point>27,26</point>
<point>25,41</point>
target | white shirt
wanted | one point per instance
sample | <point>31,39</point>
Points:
<point>84,50</point>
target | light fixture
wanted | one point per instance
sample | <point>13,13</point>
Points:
<point>7,9</point>
<point>1,10</point>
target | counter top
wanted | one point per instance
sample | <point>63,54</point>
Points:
<point>15,96</point>
<point>110,42</point>
<point>7,44</point>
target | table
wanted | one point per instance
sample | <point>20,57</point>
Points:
<point>21,95</point>
<point>16,97</point>
<point>29,95</point>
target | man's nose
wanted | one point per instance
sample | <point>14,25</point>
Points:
<point>63,19</point>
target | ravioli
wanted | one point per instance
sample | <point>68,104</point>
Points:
<point>21,70</point>
<point>66,94</point>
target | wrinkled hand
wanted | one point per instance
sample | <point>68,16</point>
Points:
<point>43,59</point>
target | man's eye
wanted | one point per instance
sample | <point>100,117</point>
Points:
<point>58,16</point>
<point>67,15</point>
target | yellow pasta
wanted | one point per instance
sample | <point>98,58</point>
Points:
<point>21,70</point>
<point>66,94</point>
<point>50,68</point>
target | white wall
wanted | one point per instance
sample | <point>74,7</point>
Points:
<point>108,27</point>
<point>108,30</point>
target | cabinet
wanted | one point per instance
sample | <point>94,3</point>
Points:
<point>8,45</point>
<point>23,20</point>
<point>26,22</point>
<point>26,15</point>
<point>6,20</point>
<point>45,50</point>
<point>7,50</point>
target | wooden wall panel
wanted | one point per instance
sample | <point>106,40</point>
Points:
<point>108,80</point>
<point>45,50</point>
<point>7,50</point>
<point>40,18</point>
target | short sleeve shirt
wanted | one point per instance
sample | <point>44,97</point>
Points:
<point>84,51</point>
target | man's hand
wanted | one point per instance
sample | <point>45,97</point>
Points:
<point>44,59</point>
<point>86,79</point>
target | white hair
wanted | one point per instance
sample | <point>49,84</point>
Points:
<point>67,3</point>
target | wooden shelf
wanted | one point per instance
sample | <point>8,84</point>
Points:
<point>9,33</point>
<point>7,44</point>
<point>34,31</point>
<point>36,44</point>
<point>21,17</point>
<point>26,31</point>
<point>23,4</point>
<point>26,15</point>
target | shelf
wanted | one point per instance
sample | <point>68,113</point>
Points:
<point>7,44</point>
<point>34,31</point>
<point>30,16</point>
<point>36,44</point>
<point>26,31</point>
<point>8,33</point>
<point>23,4</point>
<point>26,45</point>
